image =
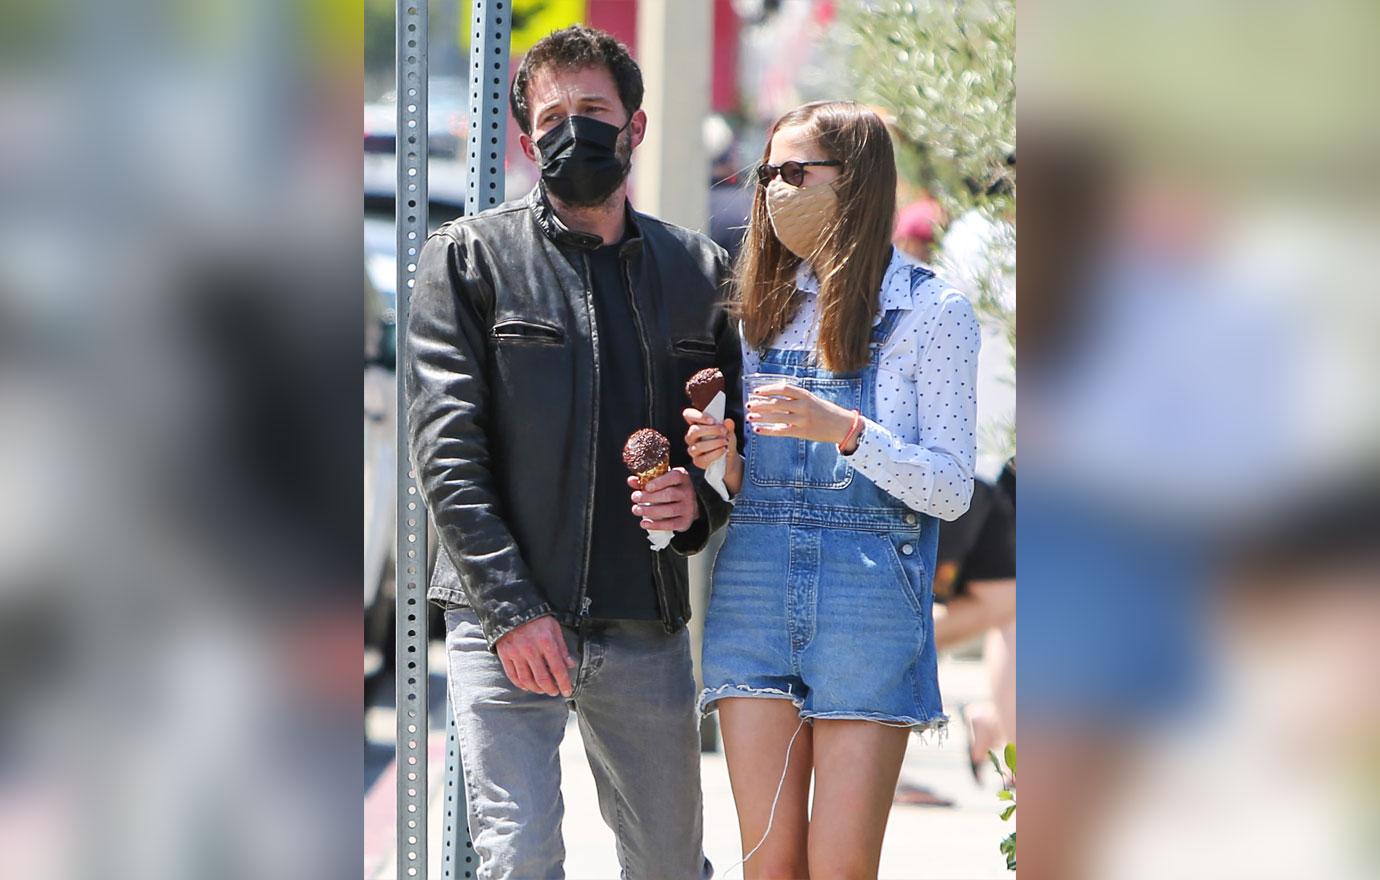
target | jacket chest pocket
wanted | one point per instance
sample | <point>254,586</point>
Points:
<point>533,366</point>
<point>525,330</point>
<point>689,355</point>
<point>693,353</point>
<point>695,348</point>
<point>790,462</point>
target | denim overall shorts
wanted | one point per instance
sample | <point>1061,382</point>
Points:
<point>821,593</point>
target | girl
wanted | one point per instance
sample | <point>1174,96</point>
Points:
<point>860,437</point>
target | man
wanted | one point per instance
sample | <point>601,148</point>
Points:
<point>544,332</point>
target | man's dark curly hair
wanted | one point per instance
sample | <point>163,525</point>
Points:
<point>575,48</point>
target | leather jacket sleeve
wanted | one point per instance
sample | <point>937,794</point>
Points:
<point>713,510</point>
<point>448,403</point>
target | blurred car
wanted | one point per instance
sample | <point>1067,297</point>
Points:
<point>448,111</point>
<point>446,189</point>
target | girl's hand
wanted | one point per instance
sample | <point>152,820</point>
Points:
<point>708,440</point>
<point>791,411</point>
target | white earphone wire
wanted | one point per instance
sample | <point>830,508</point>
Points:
<point>771,817</point>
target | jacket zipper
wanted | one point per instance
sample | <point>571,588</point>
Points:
<point>651,417</point>
<point>582,600</point>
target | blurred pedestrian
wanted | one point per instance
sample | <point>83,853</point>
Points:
<point>975,585</point>
<point>916,226</point>
<point>730,201</point>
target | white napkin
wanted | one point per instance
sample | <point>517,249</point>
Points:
<point>714,474</point>
<point>659,538</point>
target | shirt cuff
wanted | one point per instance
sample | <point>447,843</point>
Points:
<point>872,443</point>
<point>875,458</point>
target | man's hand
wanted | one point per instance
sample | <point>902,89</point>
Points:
<point>535,657</point>
<point>668,502</point>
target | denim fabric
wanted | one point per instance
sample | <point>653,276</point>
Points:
<point>634,703</point>
<point>822,590</point>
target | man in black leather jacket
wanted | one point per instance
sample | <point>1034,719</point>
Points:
<point>542,332</point>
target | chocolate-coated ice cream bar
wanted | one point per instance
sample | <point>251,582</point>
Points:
<point>703,386</point>
<point>647,455</point>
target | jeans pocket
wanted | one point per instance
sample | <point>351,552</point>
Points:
<point>463,628</point>
<point>911,577</point>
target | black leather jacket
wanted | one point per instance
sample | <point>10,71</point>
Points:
<point>502,377</point>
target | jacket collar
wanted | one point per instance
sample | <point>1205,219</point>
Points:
<point>896,290</point>
<point>552,227</point>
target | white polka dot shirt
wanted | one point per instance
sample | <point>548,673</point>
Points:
<point>922,445</point>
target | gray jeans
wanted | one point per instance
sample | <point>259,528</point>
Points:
<point>634,700</point>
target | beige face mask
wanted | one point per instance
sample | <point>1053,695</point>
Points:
<point>800,216</point>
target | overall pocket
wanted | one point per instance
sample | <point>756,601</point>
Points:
<point>911,577</point>
<point>806,464</point>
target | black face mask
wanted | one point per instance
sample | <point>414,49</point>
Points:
<point>579,160</point>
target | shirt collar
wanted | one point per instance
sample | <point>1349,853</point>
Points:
<point>896,291</point>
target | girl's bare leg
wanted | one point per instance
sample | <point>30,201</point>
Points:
<point>856,766</point>
<point>756,732</point>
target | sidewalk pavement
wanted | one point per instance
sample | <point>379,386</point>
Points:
<point>922,843</point>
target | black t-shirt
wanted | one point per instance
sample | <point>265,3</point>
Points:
<point>981,544</point>
<point>620,567</point>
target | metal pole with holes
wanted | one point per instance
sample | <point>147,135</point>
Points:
<point>411,683</point>
<point>488,129</point>
<point>487,136</point>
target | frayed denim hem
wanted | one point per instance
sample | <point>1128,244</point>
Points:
<point>935,730</point>
<point>709,696</point>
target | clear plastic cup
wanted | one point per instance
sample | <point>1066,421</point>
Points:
<point>754,381</point>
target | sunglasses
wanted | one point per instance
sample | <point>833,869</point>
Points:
<point>791,172</point>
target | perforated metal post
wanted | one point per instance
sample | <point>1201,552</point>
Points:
<point>412,673</point>
<point>488,82</point>
<point>489,32</point>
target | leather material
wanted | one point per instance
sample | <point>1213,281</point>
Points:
<point>502,378</point>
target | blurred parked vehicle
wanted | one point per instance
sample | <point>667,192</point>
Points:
<point>446,185</point>
<point>447,109</point>
<point>447,201</point>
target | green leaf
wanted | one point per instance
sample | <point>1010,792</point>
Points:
<point>992,756</point>
<point>1006,794</point>
<point>1011,756</point>
<point>1006,813</point>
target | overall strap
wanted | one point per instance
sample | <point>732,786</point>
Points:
<point>883,329</point>
<point>919,275</point>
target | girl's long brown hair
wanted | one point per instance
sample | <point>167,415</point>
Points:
<point>857,245</point>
